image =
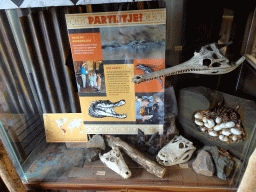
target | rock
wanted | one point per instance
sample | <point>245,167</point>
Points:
<point>153,150</point>
<point>203,164</point>
<point>224,167</point>
<point>222,160</point>
<point>92,154</point>
<point>96,141</point>
<point>170,127</point>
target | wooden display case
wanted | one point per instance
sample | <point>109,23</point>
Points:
<point>37,77</point>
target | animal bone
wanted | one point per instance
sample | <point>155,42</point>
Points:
<point>104,108</point>
<point>149,165</point>
<point>178,150</point>
<point>209,60</point>
<point>115,161</point>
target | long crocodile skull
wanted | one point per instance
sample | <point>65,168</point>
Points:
<point>209,60</point>
<point>178,150</point>
<point>104,108</point>
<point>115,161</point>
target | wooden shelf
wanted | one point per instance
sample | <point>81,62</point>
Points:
<point>60,168</point>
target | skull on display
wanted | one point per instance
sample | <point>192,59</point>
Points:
<point>178,150</point>
<point>209,60</point>
<point>115,161</point>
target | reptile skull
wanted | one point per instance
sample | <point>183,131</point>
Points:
<point>209,60</point>
<point>115,161</point>
<point>178,150</point>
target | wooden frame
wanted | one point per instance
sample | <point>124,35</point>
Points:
<point>249,40</point>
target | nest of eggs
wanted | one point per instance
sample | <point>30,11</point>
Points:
<point>221,123</point>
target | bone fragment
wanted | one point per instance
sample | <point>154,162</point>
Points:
<point>150,166</point>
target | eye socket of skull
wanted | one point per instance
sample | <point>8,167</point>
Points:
<point>209,48</point>
<point>112,159</point>
<point>163,155</point>
<point>215,56</point>
<point>187,156</point>
<point>207,62</point>
<point>216,64</point>
<point>181,145</point>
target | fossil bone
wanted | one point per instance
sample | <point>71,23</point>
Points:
<point>178,150</point>
<point>115,161</point>
<point>209,60</point>
<point>150,166</point>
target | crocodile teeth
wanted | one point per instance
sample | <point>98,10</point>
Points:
<point>197,64</point>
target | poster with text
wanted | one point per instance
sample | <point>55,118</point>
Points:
<point>108,49</point>
<point>64,127</point>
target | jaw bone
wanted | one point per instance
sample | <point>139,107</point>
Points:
<point>115,161</point>
<point>209,60</point>
<point>178,150</point>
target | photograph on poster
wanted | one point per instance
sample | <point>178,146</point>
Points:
<point>90,76</point>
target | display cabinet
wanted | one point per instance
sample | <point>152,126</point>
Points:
<point>207,96</point>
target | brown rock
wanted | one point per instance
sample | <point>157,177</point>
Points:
<point>203,164</point>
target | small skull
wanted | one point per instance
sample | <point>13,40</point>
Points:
<point>178,150</point>
<point>115,161</point>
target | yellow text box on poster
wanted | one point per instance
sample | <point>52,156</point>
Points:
<point>119,86</point>
<point>64,127</point>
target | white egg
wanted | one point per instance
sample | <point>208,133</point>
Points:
<point>230,124</point>
<point>205,119</point>
<point>226,132</point>
<point>200,123</point>
<point>236,131</point>
<point>198,116</point>
<point>203,129</point>
<point>207,125</point>
<point>223,125</point>
<point>217,128</point>
<point>211,123</point>
<point>223,138</point>
<point>213,133</point>
<point>234,138</point>
<point>218,120</point>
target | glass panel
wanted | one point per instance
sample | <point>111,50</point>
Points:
<point>52,95</point>
<point>12,144</point>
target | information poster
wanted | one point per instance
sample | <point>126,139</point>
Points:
<point>64,127</point>
<point>108,49</point>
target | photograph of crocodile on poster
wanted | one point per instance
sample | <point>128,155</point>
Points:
<point>101,109</point>
<point>108,49</point>
<point>133,42</point>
